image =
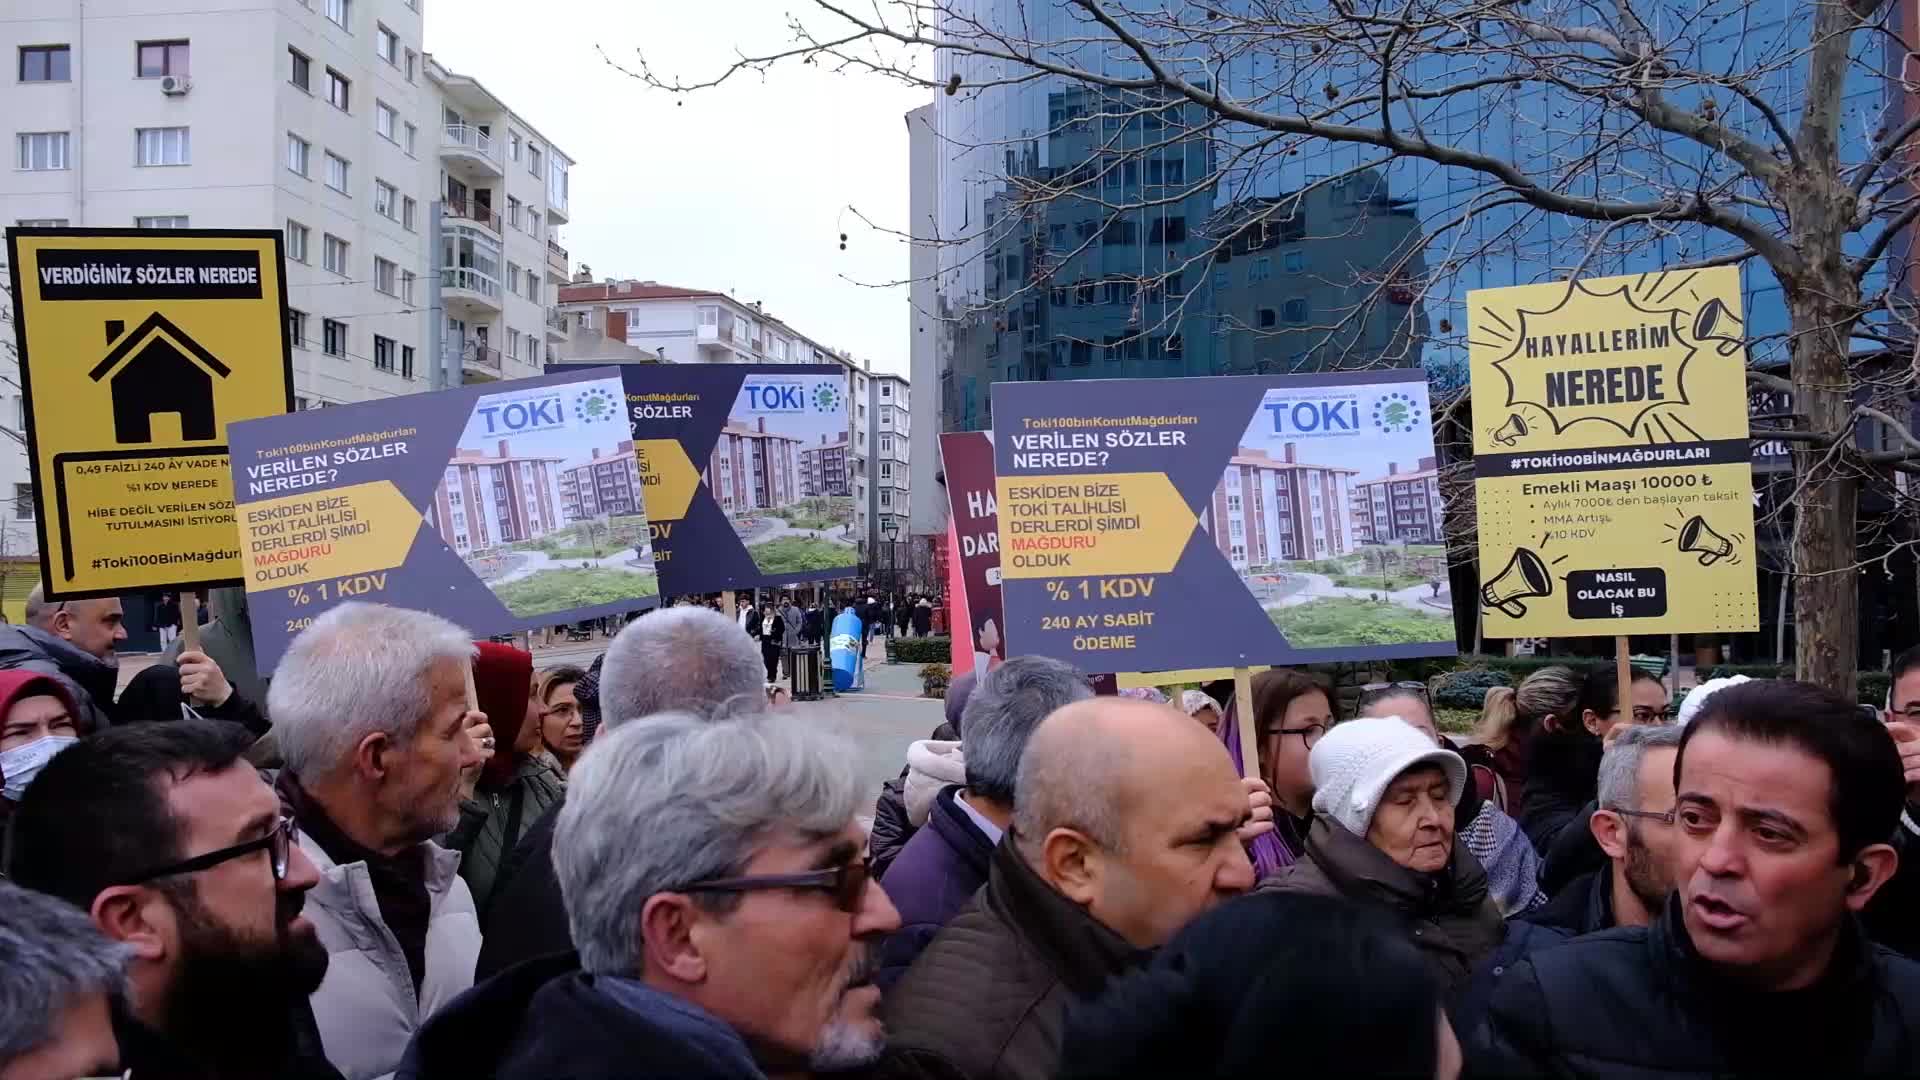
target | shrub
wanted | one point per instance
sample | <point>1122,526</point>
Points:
<point>1468,689</point>
<point>919,650</point>
<point>934,679</point>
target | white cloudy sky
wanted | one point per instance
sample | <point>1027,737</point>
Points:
<point>743,189</point>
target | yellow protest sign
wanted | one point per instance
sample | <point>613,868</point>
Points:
<point>137,348</point>
<point>1612,470</point>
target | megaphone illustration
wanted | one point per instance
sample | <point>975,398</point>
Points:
<point>1716,323</point>
<point>1698,537</point>
<point>1511,431</point>
<point>1524,578</point>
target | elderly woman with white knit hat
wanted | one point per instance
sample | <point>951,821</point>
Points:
<point>1382,834</point>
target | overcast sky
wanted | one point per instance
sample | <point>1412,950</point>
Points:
<point>744,189</point>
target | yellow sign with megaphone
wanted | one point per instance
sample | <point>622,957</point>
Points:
<point>1612,470</point>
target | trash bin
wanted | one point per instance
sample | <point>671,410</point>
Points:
<point>805,665</point>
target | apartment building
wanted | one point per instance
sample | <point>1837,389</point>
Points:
<point>693,326</point>
<point>883,425</point>
<point>1268,509</point>
<point>321,118</point>
<point>602,487</point>
<point>824,469</point>
<point>1400,507</point>
<point>753,468</point>
<point>488,499</point>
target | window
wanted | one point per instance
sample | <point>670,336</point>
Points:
<point>45,63</point>
<point>163,146</point>
<point>533,286</point>
<point>513,342</point>
<point>337,172</point>
<point>156,58</point>
<point>300,70</point>
<point>407,208</point>
<point>42,222</point>
<point>333,254</point>
<point>341,12</point>
<point>297,237</point>
<point>386,200</point>
<point>407,132</point>
<point>406,361</point>
<point>23,502</point>
<point>407,279</point>
<point>333,337</point>
<point>533,159</point>
<point>339,90</point>
<point>1295,310</point>
<point>386,45</point>
<point>513,146</point>
<point>297,328</point>
<point>513,211</point>
<point>41,151</point>
<point>886,498</point>
<point>886,469</point>
<point>533,349</point>
<point>386,277</point>
<point>161,221</point>
<point>533,228</point>
<point>411,58</point>
<point>1268,317</point>
<point>886,444</point>
<point>382,353</point>
<point>886,390</point>
<point>386,121</point>
<point>1293,262</point>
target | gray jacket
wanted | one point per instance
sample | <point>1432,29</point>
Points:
<point>366,1009</point>
<point>92,681</point>
<point>795,619</point>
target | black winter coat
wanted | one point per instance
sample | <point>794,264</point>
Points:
<point>1640,1002</point>
<point>892,828</point>
<point>1585,906</point>
<point>526,918</point>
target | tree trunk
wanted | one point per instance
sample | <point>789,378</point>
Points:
<point>1826,599</point>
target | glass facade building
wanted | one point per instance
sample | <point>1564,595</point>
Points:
<point>1088,233</point>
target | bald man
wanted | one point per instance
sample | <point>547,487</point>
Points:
<point>1125,828</point>
<point>73,641</point>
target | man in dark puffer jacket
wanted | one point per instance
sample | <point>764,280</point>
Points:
<point>1787,795</point>
<point>892,826</point>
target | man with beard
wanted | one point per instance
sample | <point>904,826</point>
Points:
<point>177,849</point>
<point>726,925</point>
<point>1634,828</point>
<point>1786,798</point>
<point>370,706</point>
<point>73,641</point>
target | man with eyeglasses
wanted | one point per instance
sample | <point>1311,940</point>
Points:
<point>1633,826</point>
<point>176,847</point>
<point>713,874</point>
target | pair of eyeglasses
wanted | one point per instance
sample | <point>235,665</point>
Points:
<point>278,843</point>
<point>1664,819</point>
<point>847,884</point>
<point>1382,687</point>
<point>1308,735</point>
<point>1644,715</point>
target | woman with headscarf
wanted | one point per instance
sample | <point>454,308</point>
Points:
<point>1382,835</point>
<point>38,720</point>
<point>516,784</point>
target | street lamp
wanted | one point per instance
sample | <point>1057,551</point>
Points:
<point>890,528</point>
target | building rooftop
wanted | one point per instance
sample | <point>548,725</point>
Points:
<point>1394,478</point>
<point>1247,455</point>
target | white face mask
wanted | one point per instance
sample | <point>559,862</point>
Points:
<point>22,763</point>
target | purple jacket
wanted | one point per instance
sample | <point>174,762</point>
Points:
<point>933,878</point>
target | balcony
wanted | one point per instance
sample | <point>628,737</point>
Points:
<point>556,263</point>
<point>715,343</point>
<point>470,212</point>
<point>467,287</point>
<point>476,360</point>
<point>471,153</point>
<point>556,324</point>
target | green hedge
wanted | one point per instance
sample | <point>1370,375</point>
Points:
<point>1870,687</point>
<point>919,650</point>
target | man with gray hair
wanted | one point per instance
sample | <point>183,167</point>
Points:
<point>946,862</point>
<point>1634,827</point>
<point>1126,824</point>
<point>688,659</point>
<point>59,981</point>
<point>370,705</point>
<point>713,879</point>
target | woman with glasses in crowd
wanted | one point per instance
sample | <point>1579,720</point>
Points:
<point>562,729</point>
<point>1291,710</point>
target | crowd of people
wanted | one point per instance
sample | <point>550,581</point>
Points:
<point>408,854</point>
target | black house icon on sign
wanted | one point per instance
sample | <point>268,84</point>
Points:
<point>159,369</point>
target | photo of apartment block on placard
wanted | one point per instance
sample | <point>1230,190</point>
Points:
<point>780,472</point>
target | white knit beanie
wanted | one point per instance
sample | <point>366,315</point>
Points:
<point>1697,697</point>
<point>1353,765</point>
